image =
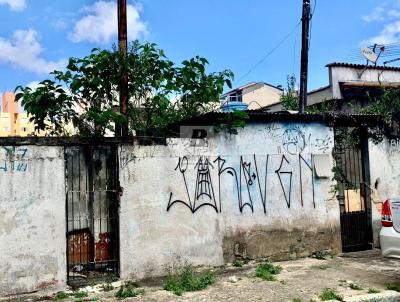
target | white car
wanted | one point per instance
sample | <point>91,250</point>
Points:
<point>390,232</point>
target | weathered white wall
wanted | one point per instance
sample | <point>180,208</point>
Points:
<point>339,74</point>
<point>162,223</point>
<point>32,219</point>
<point>384,161</point>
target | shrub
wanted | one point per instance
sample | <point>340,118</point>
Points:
<point>127,290</point>
<point>80,294</point>
<point>267,271</point>
<point>107,287</point>
<point>237,263</point>
<point>60,296</point>
<point>395,287</point>
<point>185,280</point>
<point>373,290</point>
<point>355,286</point>
<point>330,294</point>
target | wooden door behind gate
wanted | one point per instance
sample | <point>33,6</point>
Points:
<point>92,213</point>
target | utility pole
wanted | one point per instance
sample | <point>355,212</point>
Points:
<point>123,49</point>
<point>305,42</point>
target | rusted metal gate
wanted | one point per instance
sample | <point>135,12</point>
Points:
<point>353,193</point>
<point>92,191</point>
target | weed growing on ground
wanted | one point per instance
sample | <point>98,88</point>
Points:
<point>373,290</point>
<point>297,300</point>
<point>80,294</point>
<point>355,286</point>
<point>128,289</point>
<point>330,294</point>
<point>237,263</point>
<point>395,287</point>
<point>107,287</point>
<point>185,280</point>
<point>267,271</point>
<point>60,296</point>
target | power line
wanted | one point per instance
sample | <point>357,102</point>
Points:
<point>269,53</point>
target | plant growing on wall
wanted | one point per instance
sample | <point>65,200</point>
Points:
<point>160,92</point>
<point>289,97</point>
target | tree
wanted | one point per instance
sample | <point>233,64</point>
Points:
<point>160,93</point>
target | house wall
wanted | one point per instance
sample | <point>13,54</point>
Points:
<point>261,96</point>
<point>347,74</point>
<point>385,177</point>
<point>32,219</point>
<point>264,192</point>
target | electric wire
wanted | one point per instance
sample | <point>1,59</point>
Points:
<point>269,53</point>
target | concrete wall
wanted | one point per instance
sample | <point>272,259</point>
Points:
<point>385,177</point>
<point>339,74</point>
<point>261,95</point>
<point>32,219</point>
<point>264,192</point>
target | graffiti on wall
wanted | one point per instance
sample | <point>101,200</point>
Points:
<point>295,139</point>
<point>13,159</point>
<point>248,180</point>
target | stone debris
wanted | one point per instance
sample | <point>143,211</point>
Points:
<point>233,279</point>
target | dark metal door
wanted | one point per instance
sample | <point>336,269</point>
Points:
<point>92,191</point>
<point>351,174</point>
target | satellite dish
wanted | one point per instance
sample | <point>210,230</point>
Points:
<point>369,54</point>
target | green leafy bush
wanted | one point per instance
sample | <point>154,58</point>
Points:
<point>268,270</point>
<point>330,294</point>
<point>127,290</point>
<point>186,280</point>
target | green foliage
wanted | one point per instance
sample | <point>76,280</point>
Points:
<point>237,263</point>
<point>80,294</point>
<point>373,290</point>
<point>267,271</point>
<point>395,287</point>
<point>297,300</point>
<point>330,294</point>
<point>60,296</point>
<point>128,289</point>
<point>231,121</point>
<point>355,286</point>
<point>186,280</point>
<point>289,98</point>
<point>107,287</point>
<point>160,92</point>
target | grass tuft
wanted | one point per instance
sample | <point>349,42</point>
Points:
<point>237,263</point>
<point>267,271</point>
<point>355,286</point>
<point>80,294</point>
<point>185,280</point>
<point>297,300</point>
<point>373,290</point>
<point>330,294</point>
<point>60,296</point>
<point>395,287</point>
<point>127,290</point>
<point>107,287</point>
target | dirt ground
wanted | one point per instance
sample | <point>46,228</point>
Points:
<point>303,278</point>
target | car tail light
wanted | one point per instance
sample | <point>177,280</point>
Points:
<point>386,214</point>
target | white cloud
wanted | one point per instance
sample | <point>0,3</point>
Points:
<point>389,34</point>
<point>23,50</point>
<point>100,24</point>
<point>15,5</point>
<point>376,15</point>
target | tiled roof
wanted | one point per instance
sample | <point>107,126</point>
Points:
<point>362,66</point>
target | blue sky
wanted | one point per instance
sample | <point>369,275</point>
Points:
<point>37,36</point>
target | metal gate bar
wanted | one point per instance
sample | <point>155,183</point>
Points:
<point>353,196</point>
<point>92,213</point>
